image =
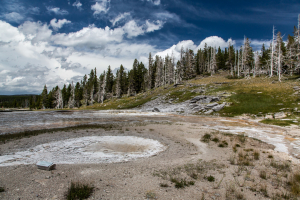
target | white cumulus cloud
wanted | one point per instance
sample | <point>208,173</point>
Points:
<point>119,18</point>
<point>13,17</point>
<point>132,29</point>
<point>33,55</point>
<point>35,32</point>
<point>101,6</point>
<point>153,26</point>
<point>215,41</point>
<point>58,24</point>
<point>77,4</point>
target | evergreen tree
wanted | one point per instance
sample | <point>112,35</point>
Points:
<point>109,80</point>
<point>44,98</point>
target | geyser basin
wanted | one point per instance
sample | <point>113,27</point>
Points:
<point>93,149</point>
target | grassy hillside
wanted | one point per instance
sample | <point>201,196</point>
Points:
<point>257,96</point>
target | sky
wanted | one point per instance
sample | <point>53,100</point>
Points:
<point>56,42</point>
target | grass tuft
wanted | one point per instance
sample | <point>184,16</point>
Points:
<point>79,191</point>
<point>263,174</point>
<point>206,138</point>
<point>211,178</point>
<point>256,155</point>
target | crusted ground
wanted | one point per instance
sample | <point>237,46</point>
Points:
<point>199,163</point>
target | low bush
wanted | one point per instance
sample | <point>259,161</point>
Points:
<point>211,178</point>
<point>79,191</point>
<point>206,138</point>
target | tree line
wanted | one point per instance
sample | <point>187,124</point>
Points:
<point>279,58</point>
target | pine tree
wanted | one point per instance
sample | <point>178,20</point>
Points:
<point>78,94</point>
<point>248,56</point>
<point>44,98</point>
<point>109,80</point>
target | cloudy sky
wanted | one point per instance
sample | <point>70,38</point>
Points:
<point>55,42</point>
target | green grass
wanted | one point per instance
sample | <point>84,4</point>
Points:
<point>278,122</point>
<point>181,95</point>
<point>215,139</point>
<point>263,174</point>
<point>253,103</point>
<point>295,185</point>
<point>164,185</point>
<point>223,144</point>
<point>256,155</point>
<point>206,138</point>
<point>79,191</point>
<point>211,178</point>
<point>281,166</point>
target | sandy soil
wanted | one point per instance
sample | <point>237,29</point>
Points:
<point>186,157</point>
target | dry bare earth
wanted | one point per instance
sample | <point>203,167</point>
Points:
<point>238,175</point>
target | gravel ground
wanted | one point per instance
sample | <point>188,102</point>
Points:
<point>141,178</point>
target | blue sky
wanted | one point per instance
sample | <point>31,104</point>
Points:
<point>56,42</point>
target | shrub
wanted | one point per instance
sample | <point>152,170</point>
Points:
<point>79,191</point>
<point>282,167</point>
<point>256,155</point>
<point>164,185</point>
<point>223,144</point>
<point>150,195</point>
<point>206,138</point>
<point>2,189</point>
<point>263,174</point>
<point>211,178</point>
<point>194,176</point>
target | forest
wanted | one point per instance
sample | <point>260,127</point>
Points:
<point>278,58</point>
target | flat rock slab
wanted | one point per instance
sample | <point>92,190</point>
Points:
<point>44,165</point>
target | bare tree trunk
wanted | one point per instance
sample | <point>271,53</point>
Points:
<point>279,63</point>
<point>71,102</point>
<point>272,54</point>
<point>58,99</point>
<point>118,87</point>
<point>103,89</point>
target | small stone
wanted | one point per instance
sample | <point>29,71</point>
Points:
<point>211,105</point>
<point>208,112</point>
<point>219,107</point>
<point>279,115</point>
<point>155,110</point>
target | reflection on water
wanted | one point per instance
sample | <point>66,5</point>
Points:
<point>11,122</point>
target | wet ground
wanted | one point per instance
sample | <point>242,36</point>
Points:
<point>286,140</point>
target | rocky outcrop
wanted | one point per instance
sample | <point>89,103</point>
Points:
<point>205,104</point>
